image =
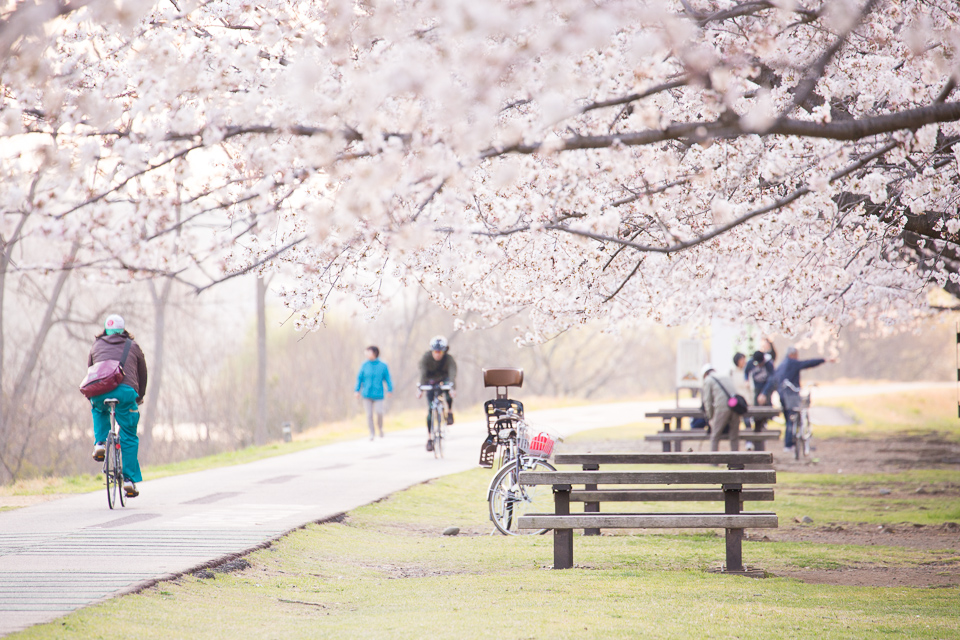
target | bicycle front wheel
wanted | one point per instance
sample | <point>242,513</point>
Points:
<point>110,470</point>
<point>509,500</point>
<point>437,432</point>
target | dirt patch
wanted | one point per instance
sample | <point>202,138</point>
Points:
<point>878,577</point>
<point>874,455</point>
<point>944,537</point>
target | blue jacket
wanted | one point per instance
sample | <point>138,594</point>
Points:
<point>373,375</point>
<point>790,370</point>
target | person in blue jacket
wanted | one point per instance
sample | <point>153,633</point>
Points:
<point>786,380</point>
<point>373,377</point>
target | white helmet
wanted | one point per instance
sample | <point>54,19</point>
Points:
<point>438,343</point>
<point>705,369</point>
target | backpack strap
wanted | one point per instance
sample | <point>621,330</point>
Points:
<point>722,387</point>
<point>126,352</point>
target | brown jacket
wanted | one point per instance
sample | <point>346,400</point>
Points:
<point>134,369</point>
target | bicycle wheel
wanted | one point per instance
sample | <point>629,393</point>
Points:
<point>437,432</point>
<point>509,500</point>
<point>110,470</point>
<point>801,446</point>
<point>119,467</point>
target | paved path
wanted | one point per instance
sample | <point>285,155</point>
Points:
<point>53,556</point>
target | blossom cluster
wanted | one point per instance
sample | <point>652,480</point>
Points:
<point>616,160</point>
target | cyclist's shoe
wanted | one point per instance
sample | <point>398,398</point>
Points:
<point>449,417</point>
<point>99,451</point>
<point>130,489</point>
<point>430,445</point>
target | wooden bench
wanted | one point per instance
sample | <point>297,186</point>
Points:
<point>728,486</point>
<point>674,439</point>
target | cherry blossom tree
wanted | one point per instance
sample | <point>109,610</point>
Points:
<point>782,162</point>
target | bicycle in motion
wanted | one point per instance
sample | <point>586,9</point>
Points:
<point>437,415</point>
<point>113,459</point>
<point>509,436</point>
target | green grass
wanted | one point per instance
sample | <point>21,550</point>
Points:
<point>387,572</point>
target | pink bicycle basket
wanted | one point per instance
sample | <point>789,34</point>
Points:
<point>541,446</point>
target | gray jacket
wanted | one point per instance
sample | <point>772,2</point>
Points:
<point>714,396</point>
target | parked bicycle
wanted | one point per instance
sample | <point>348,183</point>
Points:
<point>113,459</point>
<point>508,438</point>
<point>437,416</point>
<point>802,428</point>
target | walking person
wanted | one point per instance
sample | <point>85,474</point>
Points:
<point>109,345</point>
<point>717,390</point>
<point>373,377</point>
<point>438,366</point>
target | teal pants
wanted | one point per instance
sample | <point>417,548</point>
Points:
<point>128,416</point>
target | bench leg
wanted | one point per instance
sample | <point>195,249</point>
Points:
<point>734,538</point>
<point>591,507</point>
<point>734,550</point>
<point>667,447</point>
<point>562,538</point>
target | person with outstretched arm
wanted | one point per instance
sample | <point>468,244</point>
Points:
<point>786,380</point>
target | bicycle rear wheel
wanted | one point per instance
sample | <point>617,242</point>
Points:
<point>509,500</point>
<point>437,432</point>
<point>110,470</point>
<point>801,446</point>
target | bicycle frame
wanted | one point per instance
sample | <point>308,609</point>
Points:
<point>113,459</point>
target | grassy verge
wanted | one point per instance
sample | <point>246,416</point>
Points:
<point>387,572</point>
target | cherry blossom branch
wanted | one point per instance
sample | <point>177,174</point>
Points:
<point>806,86</point>
<point>633,97</point>
<point>848,130</point>
<point>686,244</point>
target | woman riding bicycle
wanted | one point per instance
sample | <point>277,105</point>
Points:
<point>436,367</point>
<point>109,346</point>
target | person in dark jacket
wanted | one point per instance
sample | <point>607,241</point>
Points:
<point>786,380</point>
<point>759,371</point>
<point>109,346</point>
<point>436,367</point>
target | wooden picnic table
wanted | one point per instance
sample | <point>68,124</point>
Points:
<point>677,414</point>
<point>673,438</point>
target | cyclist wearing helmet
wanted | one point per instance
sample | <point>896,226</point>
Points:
<point>436,367</point>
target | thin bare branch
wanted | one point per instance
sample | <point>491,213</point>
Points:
<point>253,266</point>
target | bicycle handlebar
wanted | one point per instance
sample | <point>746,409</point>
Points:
<point>444,386</point>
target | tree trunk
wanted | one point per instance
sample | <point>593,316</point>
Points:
<point>145,430</point>
<point>25,375</point>
<point>260,429</point>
